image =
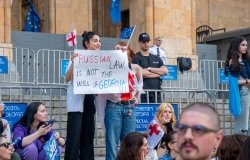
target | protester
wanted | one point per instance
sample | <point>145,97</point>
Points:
<point>5,149</point>
<point>34,133</point>
<point>157,50</point>
<point>81,111</point>
<point>6,127</point>
<point>163,122</point>
<point>198,132</point>
<point>120,108</point>
<point>171,146</point>
<point>230,147</point>
<point>238,64</point>
<point>152,70</point>
<point>133,147</point>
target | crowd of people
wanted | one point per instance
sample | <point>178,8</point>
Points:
<point>197,134</point>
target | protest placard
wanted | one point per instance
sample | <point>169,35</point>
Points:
<point>97,72</point>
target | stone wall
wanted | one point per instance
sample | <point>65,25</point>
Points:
<point>227,14</point>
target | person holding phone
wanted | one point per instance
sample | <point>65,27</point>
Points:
<point>34,133</point>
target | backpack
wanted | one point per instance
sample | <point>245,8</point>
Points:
<point>184,63</point>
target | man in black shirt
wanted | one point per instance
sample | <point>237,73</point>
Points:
<point>152,70</point>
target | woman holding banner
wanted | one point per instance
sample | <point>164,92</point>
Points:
<point>119,108</point>
<point>81,111</point>
<point>237,66</point>
<point>33,133</point>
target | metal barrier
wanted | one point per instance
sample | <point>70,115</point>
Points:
<point>49,66</point>
<point>21,65</point>
<point>222,107</point>
<point>190,79</point>
<point>211,72</point>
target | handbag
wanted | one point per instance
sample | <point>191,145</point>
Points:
<point>234,96</point>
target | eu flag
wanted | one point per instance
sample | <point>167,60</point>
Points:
<point>32,21</point>
<point>115,11</point>
<point>126,33</point>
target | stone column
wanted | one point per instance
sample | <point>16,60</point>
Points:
<point>149,18</point>
<point>5,21</point>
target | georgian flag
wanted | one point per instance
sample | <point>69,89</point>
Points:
<point>71,38</point>
<point>155,133</point>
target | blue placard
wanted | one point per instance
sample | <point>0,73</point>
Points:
<point>223,79</point>
<point>146,112</point>
<point>51,148</point>
<point>13,112</point>
<point>172,73</point>
<point>64,65</point>
<point>4,65</point>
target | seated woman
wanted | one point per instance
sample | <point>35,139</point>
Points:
<point>171,145</point>
<point>6,127</point>
<point>164,121</point>
<point>34,133</point>
<point>133,147</point>
<point>5,149</point>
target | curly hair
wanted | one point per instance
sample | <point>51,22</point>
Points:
<point>130,146</point>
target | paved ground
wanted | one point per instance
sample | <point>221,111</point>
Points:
<point>99,158</point>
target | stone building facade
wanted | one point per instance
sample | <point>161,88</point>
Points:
<point>174,20</point>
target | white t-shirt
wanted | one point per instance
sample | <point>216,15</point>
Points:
<point>74,101</point>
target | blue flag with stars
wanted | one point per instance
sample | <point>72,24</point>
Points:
<point>115,11</point>
<point>32,21</point>
<point>126,33</point>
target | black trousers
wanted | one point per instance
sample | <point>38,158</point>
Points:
<point>80,132</point>
<point>151,97</point>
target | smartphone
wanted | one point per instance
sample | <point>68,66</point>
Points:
<point>51,122</point>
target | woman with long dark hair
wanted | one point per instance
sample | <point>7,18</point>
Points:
<point>238,65</point>
<point>133,147</point>
<point>81,111</point>
<point>34,132</point>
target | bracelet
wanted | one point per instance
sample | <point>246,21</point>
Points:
<point>246,81</point>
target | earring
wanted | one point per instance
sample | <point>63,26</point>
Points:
<point>214,152</point>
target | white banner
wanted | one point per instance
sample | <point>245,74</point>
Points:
<point>98,72</point>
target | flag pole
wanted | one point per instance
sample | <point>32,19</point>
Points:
<point>131,35</point>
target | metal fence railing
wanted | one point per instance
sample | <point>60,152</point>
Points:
<point>49,66</point>
<point>21,65</point>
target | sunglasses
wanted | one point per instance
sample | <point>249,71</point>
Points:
<point>6,145</point>
<point>197,130</point>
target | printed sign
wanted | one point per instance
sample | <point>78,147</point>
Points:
<point>64,65</point>
<point>98,72</point>
<point>146,112</point>
<point>13,112</point>
<point>223,78</point>
<point>4,64</point>
<point>172,73</point>
<point>51,148</point>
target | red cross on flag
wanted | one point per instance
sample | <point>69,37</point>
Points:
<point>71,38</point>
<point>155,133</point>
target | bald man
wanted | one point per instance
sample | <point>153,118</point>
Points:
<point>198,132</point>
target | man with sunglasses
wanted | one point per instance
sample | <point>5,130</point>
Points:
<point>6,149</point>
<point>152,70</point>
<point>198,132</point>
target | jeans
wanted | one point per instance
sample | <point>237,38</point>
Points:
<point>119,121</point>
<point>241,122</point>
